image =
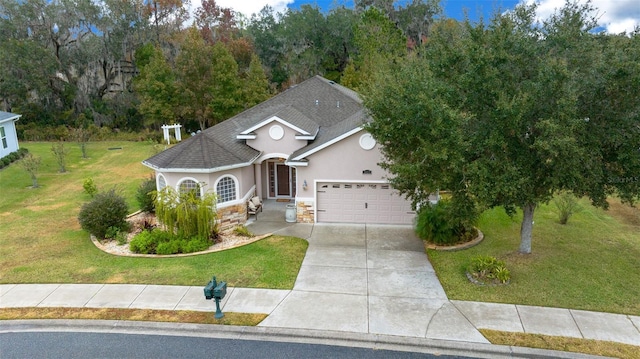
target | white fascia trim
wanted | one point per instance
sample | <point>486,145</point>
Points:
<point>307,137</point>
<point>349,181</point>
<point>271,119</point>
<point>244,199</point>
<point>271,155</point>
<point>201,170</point>
<point>327,144</point>
<point>297,163</point>
<point>13,118</point>
<point>246,137</point>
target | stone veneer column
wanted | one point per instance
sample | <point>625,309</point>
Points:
<point>304,212</point>
<point>232,216</point>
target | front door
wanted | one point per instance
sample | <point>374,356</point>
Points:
<point>283,180</point>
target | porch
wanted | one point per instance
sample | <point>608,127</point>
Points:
<point>271,219</point>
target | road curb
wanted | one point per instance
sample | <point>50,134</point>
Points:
<point>348,339</point>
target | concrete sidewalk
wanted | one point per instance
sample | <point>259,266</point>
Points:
<point>355,278</point>
<point>452,319</point>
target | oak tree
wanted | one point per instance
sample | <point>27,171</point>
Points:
<point>511,112</point>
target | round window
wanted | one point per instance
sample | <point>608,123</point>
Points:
<point>367,142</point>
<point>276,132</point>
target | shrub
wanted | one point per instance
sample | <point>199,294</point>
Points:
<point>162,242</point>
<point>144,243</point>
<point>242,231</point>
<point>488,270</point>
<point>447,222</point>
<point>145,195</point>
<point>107,209</point>
<point>567,205</point>
<point>60,153</point>
<point>171,247</point>
<point>186,214</point>
<point>90,187</point>
<point>13,156</point>
<point>82,136</point>
<point>196,244</point>
<point>433,224</point>
<point>117,234</point>
<point>31,164</point>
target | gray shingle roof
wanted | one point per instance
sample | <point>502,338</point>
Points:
<point>5,116</point>
<point>315,105</point>
<point>298,119</point>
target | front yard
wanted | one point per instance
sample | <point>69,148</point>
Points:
<point>41,240</point>
<point>592,263</point>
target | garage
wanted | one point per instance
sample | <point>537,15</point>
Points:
<point>361,203</point>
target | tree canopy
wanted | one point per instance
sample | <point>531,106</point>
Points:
<point>508,113</point>
<point>81,62</point>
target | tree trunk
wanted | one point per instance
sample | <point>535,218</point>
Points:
<point>526,228</point>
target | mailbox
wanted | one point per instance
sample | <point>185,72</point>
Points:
<point>208,291</point>
<point>209,288</point>
<point>220,291</point>
<point>216,291</point>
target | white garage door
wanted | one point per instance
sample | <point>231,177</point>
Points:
<point>362,203</point>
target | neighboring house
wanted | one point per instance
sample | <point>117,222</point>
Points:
<point>306,144</point>
<point>8,134</point>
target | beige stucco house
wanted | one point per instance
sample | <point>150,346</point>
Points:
<point>307,144</point>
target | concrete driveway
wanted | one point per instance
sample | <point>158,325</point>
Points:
<point>368,279</point>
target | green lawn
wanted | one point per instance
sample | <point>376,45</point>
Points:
<point>41,240</point>
<point>592,263</point>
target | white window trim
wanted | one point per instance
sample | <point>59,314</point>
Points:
<point>158,182</point>
<point>201,184</point>
<point>3,137</point>
<point>237,185</point>
<point>242,200</point>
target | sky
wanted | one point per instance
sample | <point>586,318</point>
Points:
<point>615,16</point>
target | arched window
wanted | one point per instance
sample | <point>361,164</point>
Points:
<point>162,182</point>
<point>226,189</point>
<point>189,185</point>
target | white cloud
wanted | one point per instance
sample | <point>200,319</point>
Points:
<point>615,16</point>
<point>246,7</point>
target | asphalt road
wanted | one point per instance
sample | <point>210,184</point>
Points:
<point>84,345</point>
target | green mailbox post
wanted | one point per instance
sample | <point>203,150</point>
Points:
<point>216,291</point>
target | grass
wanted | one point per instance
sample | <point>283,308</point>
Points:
<point>146,315</point>
<point>591,263</point>
<point>585,346</point>
<point>42,242</point>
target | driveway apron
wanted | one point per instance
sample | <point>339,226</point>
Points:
<point>370,279</point>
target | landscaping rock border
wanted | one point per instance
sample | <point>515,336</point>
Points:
<point>457,247</point>
<point>226,243</point>
<point>477,282</point>
<point>228,240</point>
